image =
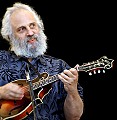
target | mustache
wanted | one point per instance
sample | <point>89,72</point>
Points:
<point>35,36</point>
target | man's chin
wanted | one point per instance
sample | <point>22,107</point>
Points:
<point>32,45</point>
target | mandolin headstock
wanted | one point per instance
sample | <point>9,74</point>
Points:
<point>97,66</point>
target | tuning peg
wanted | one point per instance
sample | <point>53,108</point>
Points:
<point>90,73</point>
<point>103,71</point>
<point>99,71</point>
<point>94,72</point>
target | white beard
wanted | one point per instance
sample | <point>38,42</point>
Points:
<point>25,49</point>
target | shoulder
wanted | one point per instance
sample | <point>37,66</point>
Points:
<point>52,58</point>
<point>55,60</point>
<point>4,53</point>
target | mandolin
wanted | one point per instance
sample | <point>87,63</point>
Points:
<point>20,109</point>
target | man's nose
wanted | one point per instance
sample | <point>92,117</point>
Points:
<point>30,32</point>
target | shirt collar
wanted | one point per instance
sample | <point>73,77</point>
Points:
<point>40,58</point>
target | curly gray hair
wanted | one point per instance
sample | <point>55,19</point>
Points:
<point>6,29</point>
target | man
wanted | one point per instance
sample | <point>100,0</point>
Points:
<point>23,29</point>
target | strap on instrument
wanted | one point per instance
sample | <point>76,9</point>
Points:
<point>26,60</point>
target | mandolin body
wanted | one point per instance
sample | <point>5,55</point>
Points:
<point>20,109</point>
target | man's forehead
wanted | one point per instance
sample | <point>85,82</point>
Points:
<point>22,17</point>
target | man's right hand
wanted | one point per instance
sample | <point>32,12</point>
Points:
<point>11,91</point>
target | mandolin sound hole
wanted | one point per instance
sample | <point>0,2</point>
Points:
<point>19,105</point>
<point>16,110</point>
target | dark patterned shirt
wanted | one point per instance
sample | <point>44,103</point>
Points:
<point>13,68</point>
